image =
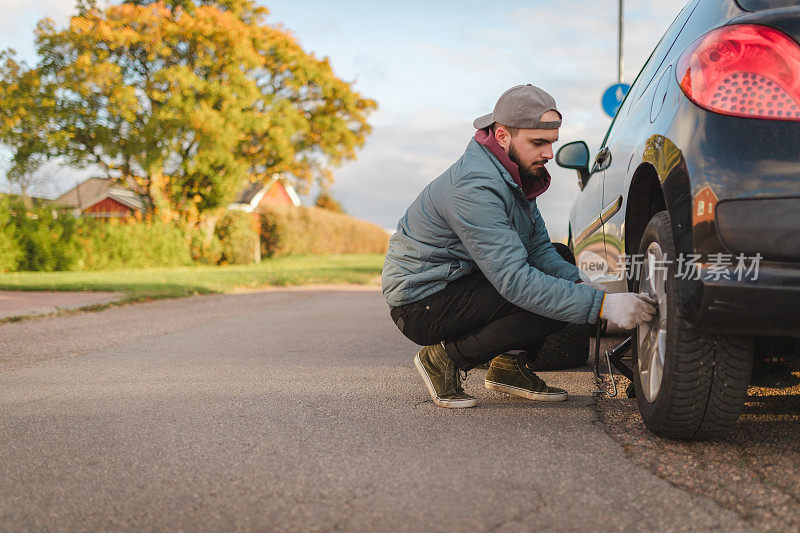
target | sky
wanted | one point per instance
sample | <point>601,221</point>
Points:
<point>433,67</point>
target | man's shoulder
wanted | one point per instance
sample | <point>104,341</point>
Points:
<point>477,159</point>
<point>477,165</point>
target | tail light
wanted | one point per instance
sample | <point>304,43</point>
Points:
<point>745,70</point>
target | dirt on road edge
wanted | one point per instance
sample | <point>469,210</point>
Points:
<point>755,472</point>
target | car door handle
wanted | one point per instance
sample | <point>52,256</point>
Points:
<point>603,159</point>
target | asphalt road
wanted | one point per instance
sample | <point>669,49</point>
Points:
<point>294,410</point>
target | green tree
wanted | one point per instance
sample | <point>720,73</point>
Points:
<point>189,99</point>
<point>26,111</point>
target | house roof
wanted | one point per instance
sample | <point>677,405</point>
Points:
<point>96,189</point>
<point>126,198</point>
<point>247,194</point>
<point>293,195</point>
<point>249,197</point>
<point>85,194</point>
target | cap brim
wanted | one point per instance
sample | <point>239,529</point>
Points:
<point>483,122</point>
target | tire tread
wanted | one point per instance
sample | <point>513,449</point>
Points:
<point>710,373</point>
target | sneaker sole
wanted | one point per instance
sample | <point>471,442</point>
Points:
<point>525,393</point>
<point>450,404</point>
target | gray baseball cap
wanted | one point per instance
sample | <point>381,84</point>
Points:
<point>522,106</point>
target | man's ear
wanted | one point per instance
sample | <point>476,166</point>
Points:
<point>502,136</point>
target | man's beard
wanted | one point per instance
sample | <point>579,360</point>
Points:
<point>528,174</point>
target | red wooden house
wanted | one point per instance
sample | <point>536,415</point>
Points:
<point>105,198</point>
<point>101,198</point>
<point>256,195</point>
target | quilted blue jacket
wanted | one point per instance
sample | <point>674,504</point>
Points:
<point>475,217</point>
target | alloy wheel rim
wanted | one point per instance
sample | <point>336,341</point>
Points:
<point>652,337</point>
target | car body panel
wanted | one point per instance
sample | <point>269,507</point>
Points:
<point>784,19</point>
<point>586,228</point>
<point>699,159</point>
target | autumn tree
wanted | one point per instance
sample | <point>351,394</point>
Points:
<point>190,100</point>
<point>326,201</point>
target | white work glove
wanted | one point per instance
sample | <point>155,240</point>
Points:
<point>628,309</point>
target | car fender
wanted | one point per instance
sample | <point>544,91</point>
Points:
<point>660,181</point>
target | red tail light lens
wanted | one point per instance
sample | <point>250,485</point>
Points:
<point>744,70</point>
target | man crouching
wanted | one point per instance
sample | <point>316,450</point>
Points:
<point>471,272</point>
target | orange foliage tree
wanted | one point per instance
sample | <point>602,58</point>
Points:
<point>326,201</point>
<point>189,99</point>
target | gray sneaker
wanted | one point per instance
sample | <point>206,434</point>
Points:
<point>441,377</point>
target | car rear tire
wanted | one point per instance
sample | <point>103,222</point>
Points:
<point>700,388</point>
<point>567,348</point>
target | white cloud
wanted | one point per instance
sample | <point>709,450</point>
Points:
<point>568,48</point>
<point>397,163</point>
<point>20,17</point>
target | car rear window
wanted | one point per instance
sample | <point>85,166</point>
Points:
<point>761,5</point>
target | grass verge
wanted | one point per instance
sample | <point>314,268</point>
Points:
<point>153,283</point>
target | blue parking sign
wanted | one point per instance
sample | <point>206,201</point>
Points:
<point>613,97</point>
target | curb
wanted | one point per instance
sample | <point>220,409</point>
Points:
<point>18,315</point>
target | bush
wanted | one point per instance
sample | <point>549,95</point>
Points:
<point>10,250</point>
<point>132,244</point>
<point>44,239</point>
<point>47,239</point>
<point>238,234</point>
<point>203,250</point>
<point>313,231</point>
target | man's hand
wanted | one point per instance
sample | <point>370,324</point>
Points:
<point>628,309</point>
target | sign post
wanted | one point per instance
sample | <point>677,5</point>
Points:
<point>614,95</point>
<point>619,45</point>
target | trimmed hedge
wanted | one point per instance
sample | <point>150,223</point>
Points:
<point>314,231</point>
<point>204,251</point>
<point>44,239</point>
<point>131,244</point>
<point>39,239</point>
<point>238,234</point>
<point>10,250</point>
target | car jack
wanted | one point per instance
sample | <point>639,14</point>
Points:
<point>613,360</point>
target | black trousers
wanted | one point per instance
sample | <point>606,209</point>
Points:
<point>475,322</point>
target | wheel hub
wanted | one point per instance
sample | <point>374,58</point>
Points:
<point>652,337</point>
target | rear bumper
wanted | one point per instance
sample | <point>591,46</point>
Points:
<point>769,226</point>
<point>768,304</point>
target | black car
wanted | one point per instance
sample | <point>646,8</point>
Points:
<point>694,198</point>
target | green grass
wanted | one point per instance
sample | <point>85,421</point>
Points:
<point>151,283</point>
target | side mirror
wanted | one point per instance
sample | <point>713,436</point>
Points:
<point>575,155</point>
